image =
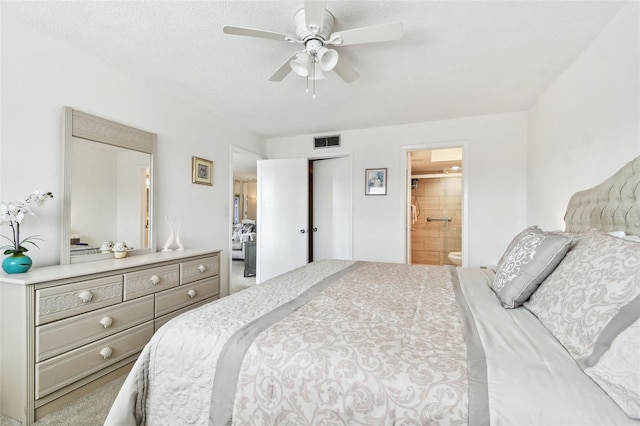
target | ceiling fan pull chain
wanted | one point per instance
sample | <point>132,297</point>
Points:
<point>313,70</point>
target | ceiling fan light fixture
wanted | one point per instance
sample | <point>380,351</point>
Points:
<point>328,58</point>
<point>314,26</point>
<point>301,64</point>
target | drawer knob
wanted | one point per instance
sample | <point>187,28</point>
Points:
<point>155,280</point>
<point>192,293</point>
<point>85,296</point>
<point>202,268</point>
<point>106,352</point>
<point>106,322</point>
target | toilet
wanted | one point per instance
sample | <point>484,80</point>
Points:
<point>455,257</point>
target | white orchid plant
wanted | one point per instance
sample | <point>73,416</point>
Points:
<point>13,213</point>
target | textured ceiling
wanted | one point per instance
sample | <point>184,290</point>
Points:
<point>455,59</point>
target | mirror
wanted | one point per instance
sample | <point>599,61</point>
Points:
<point>108,188</point>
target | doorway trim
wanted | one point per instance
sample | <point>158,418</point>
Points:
<point>233,149</point>
<point>406,149</point>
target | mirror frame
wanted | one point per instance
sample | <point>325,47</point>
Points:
<point>85,126</point>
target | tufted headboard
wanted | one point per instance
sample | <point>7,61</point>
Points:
<point>613,205</point>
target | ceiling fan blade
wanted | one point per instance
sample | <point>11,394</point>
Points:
<point>345,71</point>
<point>314,15</point>
<point>249,32</point>
<point>283,71</point>
<point>385,32</point>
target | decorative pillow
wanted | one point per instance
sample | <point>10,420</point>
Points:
<point>590,299</point>
<point>248,225</point>
<point>528,260</point>
<point>588,290</point>
<point>618,370</point>
<point>236,233</point>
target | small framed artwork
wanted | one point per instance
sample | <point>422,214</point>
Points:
<point>202,171</point>
<point>375,182</point>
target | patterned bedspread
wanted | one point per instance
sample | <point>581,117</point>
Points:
<point>348,343</point>
<point>375,344</point>
<point>382,345</point>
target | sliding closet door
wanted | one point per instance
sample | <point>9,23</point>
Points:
<point>283,212</point>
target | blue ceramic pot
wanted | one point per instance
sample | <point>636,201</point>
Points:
<point>16,263</point>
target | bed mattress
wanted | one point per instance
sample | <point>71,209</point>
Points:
<point>343,342</point>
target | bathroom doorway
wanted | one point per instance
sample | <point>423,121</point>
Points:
<point>435,194</point>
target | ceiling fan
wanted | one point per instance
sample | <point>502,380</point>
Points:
<point>314,30</point>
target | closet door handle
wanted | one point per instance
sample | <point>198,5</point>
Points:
<point>315,229</point>
<point>302,231</point>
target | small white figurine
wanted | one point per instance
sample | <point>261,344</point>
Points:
<point>178,240</point>
<point>171,238</point>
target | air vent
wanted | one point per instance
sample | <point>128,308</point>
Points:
<point>326,141</point>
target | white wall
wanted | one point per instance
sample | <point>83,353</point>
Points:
<point>582,129</point>
<point>40,75</point>
<point>496,169</point>
<point>586,125</point>
<point>93,220</point>
<point>132,188</point>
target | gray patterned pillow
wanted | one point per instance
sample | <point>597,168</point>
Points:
<point>592,295</point>
<point>528,260</point>
<point>591,304</point>
<point>618,370</point>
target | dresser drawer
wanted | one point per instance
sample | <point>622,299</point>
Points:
<point>58,372</point>
<point>55,303</point>
<point>195,270</point>
<point>160,321</point>
<point>141,283</point>
<point>61,336</point>
<point>176,298</point>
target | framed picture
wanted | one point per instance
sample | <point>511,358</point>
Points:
<point>375,182</point>
<point>202,171</point>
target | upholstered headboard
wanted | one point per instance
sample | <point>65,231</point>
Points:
<point>613,205</point>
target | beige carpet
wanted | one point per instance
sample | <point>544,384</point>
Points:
<point>238,281</point>
<point>90,410</point>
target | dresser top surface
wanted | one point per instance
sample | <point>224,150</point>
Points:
<point>59,272</point>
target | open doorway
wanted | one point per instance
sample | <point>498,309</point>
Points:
<point>243,217</point>
<point>435,205</point>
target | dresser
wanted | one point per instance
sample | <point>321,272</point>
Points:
<point>66,330</point>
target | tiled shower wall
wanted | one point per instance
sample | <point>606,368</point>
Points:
<point>431,241</point>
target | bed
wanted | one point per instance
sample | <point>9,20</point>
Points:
<point>550,337</point>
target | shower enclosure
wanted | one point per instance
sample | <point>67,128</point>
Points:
<point>436,218</point>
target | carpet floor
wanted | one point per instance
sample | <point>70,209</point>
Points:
<point>237,280</point>
<point>90,410</point>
